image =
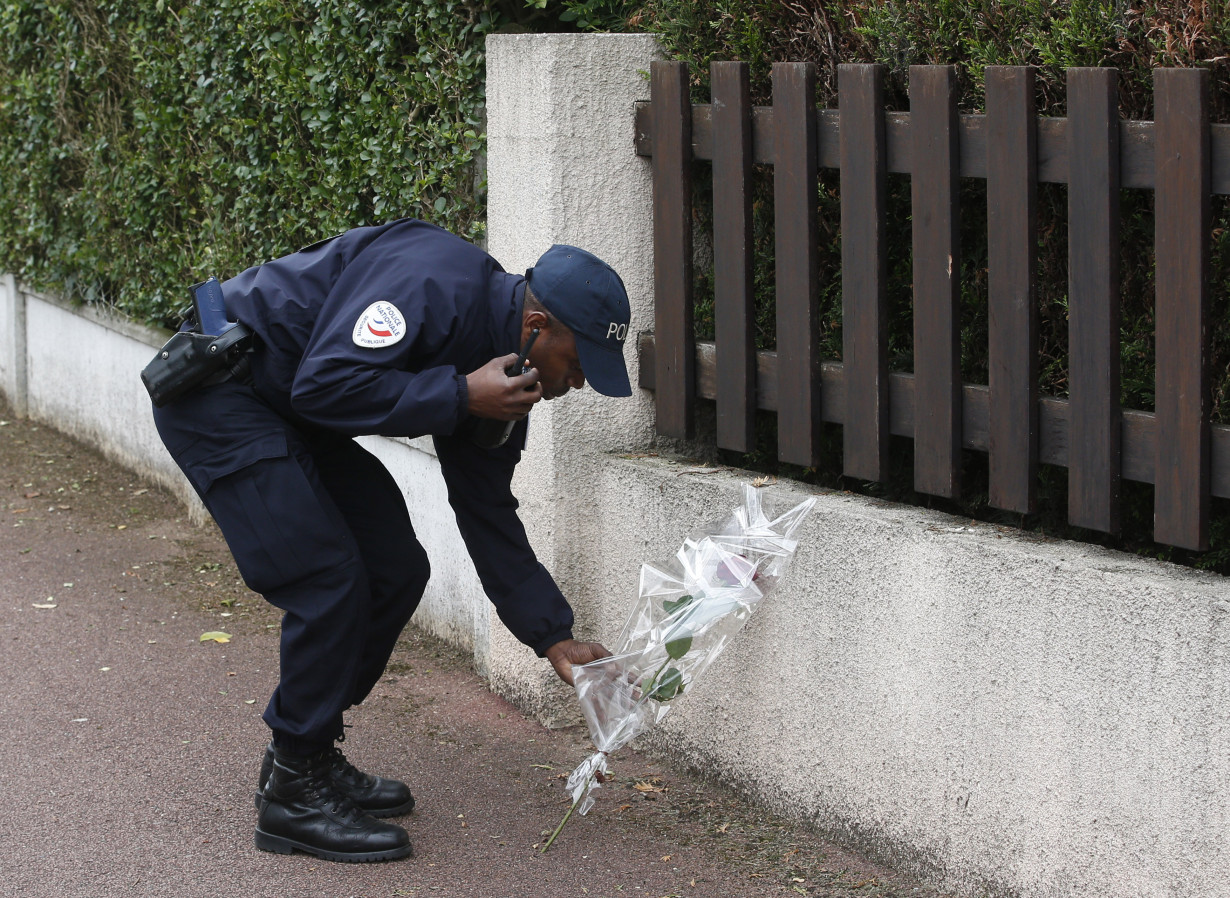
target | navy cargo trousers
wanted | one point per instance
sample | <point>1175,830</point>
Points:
<point>319,527</point>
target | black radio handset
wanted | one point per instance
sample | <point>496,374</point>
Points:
<point>520,366</point>
<point>490,433</point>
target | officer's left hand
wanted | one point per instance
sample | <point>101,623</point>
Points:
<point>493,394</point>
<point>568,652</point>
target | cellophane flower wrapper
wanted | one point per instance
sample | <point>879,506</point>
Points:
<point>685,613</point>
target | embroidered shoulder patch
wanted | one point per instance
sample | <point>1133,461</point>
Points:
<point>379,325</point>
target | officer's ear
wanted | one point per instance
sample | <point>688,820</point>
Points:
<point>535,318</point>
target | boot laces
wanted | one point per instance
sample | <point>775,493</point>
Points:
<point>343,769</point>
<point>321,784</point>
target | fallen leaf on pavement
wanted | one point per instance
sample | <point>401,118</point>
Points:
<point>43,605</point>
<point>216,636</point>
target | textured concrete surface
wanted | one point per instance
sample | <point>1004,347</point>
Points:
<point>131,748</point>
<point>83,369</point>
<point>1016,715</point>
<point>12,343</point>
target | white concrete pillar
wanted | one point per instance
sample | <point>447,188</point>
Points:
<point>13,361</point>
<point>562,168</point>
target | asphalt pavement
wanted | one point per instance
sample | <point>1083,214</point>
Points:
<point>130,747</point>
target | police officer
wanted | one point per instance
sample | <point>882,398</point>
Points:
<point>402,330</point>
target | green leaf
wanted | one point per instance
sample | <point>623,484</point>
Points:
<point>678,647</point>
<point>670,607</point>
<point>215,636</point>
<point>669,685</point>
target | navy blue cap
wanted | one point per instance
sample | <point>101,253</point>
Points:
<point>588,297</point>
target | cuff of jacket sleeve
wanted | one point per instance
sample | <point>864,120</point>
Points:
<point>540,647</point>
<point>536,612</point>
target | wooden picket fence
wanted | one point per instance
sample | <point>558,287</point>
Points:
<point>1180,156</point>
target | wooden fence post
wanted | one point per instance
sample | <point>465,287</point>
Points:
<point>1181,156</point>
<point>1094,426</point>
<point>937,270</point>
<point>1181,235</point>
<point>864,270</point>
<point>672,249</point>
<point>796,197</point>
<point>734,314</point>
<point>1012,239</point>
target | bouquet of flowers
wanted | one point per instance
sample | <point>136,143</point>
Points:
<point>685,614</point>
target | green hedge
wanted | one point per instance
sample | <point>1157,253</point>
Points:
<point>144,143</point>
<point>1053,35</point>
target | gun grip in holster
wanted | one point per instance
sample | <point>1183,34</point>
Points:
<point>188,359</point>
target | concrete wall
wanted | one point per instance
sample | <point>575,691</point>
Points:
<point>1006,714</point>
<point>79,369</point>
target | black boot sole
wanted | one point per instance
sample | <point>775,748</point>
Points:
<point>391,812</point>
<point>379,814</point>
<point>282,845</point>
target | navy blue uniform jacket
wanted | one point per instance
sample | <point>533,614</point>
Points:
<point>332,354</point>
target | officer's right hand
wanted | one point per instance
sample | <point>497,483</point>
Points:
<point>493,394</point>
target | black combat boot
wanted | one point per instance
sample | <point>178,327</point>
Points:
<point>375,795</point>
<point>301,808</point>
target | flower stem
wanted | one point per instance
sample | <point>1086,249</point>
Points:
<point>560,828</point>
<point>647,692</point>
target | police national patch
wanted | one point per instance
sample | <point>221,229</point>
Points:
<point>379,325</point>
